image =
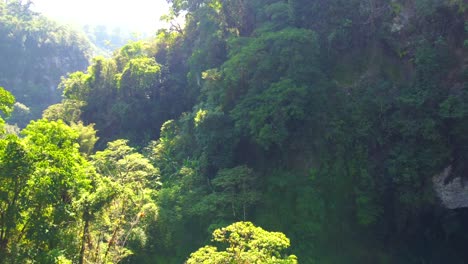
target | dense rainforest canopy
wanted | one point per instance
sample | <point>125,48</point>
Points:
<point>326,120</point>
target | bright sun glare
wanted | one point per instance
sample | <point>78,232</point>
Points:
<point>135,15</point>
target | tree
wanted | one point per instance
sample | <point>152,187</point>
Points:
<point>139,77</point>
<point>68,110</point>
<point>268,116</point>
<point>44,176</point>
<point>15,171</point>
<point>234,192</point>
<point>76,86</point>
<point>87,137</point>
<point>120,208</point>
<point>245,243</point>
<point>7,101</point>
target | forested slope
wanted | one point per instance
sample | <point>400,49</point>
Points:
<point>326,120</point>
<point>36,52</point>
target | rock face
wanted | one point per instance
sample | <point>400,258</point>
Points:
<point>453,193</point>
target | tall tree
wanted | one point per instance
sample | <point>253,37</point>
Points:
<point>246,243</point>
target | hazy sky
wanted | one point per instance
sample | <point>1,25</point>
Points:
<point>137,15</point>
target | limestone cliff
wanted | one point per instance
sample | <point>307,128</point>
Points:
<point>452,192</point>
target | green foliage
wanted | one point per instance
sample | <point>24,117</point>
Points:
<point>266,116</point>
<point>44,177</point>
<point>214,133</point>
<point>465,43</point>
<point>75,86</point>
<point>326,120</point>
<point>234,192</point>
<point>138,77</point>
<point>122,206</point>
<point>87,137</point>
<point>15,171</point>
<point>122,93</point>
<point>132,50</point>
<point>246,243</point>
<point>68,111</point>
<point>7,101</point>
<point>291,53</point>
<point>321,85</point>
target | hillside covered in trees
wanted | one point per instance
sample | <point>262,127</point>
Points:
<point>35,53</point>
<point>329,121</point>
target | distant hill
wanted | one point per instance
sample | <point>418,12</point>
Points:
<point>36,52</point>
<point>107,39</point>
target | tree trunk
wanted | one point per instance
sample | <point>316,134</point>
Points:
<point>83,239</point>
